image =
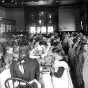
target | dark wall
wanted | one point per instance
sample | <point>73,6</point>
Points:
<point>2,12</point>
<point>18,15</point>
<point>68,19</point>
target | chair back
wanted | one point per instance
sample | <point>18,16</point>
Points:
<point>16,82</point>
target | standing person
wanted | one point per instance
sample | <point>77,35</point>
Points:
<point>72,54</point>
<point>61,76</point>
<point>25,68</point>
<point>65,44</point>
<point>85,66</point>
<point>81,65</point>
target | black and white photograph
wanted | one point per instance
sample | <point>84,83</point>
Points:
<point>43,44</point>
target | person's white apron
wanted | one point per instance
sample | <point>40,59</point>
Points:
<point>64,81</point>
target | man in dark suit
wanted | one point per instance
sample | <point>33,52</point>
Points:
<point>25,68</point>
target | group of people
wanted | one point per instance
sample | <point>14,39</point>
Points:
<point>47,61</point>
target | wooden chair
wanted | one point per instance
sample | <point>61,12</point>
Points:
<point>16,82</point>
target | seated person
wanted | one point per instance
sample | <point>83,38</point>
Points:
<point>2,62</point>
<point>24,67</point>
<point>5,73</point>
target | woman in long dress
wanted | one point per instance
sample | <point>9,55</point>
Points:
<point>85,66</point>
<point>61,77</point>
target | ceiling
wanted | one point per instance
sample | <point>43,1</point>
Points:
<point>68,1</point>
<point>62,2</point>
<point>49,2</point>
<point>41,2</point>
